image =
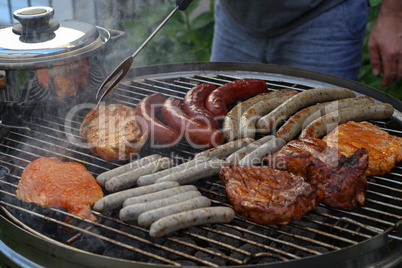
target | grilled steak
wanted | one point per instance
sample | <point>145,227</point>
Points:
<point>266,195</point>
<point>50,182</point>
<point>342,179</point>
<point>344,184</point>
<point>112,132</point>
<point>385,150</point>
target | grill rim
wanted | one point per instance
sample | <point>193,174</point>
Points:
<point>377,242</point>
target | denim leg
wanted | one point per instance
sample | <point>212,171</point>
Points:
<point>233,44</point>
<point>331,43</point>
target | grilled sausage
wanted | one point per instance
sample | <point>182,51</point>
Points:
<point>102,178</point>
<point>298,121</point>
<point>197,134</point>
<point>159,195</point>
<point>247,124</point>
<point>221,97</point>
<point>151,178</point>
<point>230,125</point>
<point>224,150</point>
<point>194,105</point>
<point>195,173</point>
<point>361,112</point>
<point>115,200</point>
<point>256,156</point>
<point>147,218</point>
<point>306,98</point>
<point>242,152</point>
<point>189,218</point>
<point>129,179</point>
<point>158,132</point>
<point>131,212</point>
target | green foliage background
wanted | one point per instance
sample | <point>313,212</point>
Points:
<point>187,37</point>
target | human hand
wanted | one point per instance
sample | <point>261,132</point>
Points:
<point>385,42</point>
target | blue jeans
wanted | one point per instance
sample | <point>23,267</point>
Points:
<point>331,43</point>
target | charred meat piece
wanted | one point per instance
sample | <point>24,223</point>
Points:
<point>112,132</point>
<point>51,182</point>
<point>344,184</point>
<point>342,179</point>
<point>384,150</point>
<point>266,195</point>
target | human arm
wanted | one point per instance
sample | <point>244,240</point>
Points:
<point>385,42</point>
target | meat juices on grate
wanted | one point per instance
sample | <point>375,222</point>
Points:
<point>112,132</point>
<point>342,179</point>
<point>51,182</point>
<point>268,196</point>
<point>385,150</point>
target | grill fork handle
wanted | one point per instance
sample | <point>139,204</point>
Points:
<point>118,74</point>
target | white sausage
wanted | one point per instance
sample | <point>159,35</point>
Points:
<point>195,173</point>
<point>131,212</point>
<point>306,98</point>
<point>147,218</point>
<point>230,125</point>
<point>224,150</point>
<point>189,218</point>
<point>158,195</point>
<point>115,200</point>
<point>301,119</point>
<point>129,179</point>
<point>242,152</point>
<point>361,112</point>
<point>247,124</point>
<point>151,178</point>
<point>105,176</point>
<point>256,156</point>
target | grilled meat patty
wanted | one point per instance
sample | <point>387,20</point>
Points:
<point>268,196</point>
<point>51,182</point>
<point>385,150</point>
<point>342,179</point>
<point>112,132</point>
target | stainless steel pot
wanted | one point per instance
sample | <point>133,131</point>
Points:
<point>43,61</point>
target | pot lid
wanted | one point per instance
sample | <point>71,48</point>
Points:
<point>38,39</point>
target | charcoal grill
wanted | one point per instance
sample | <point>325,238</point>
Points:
<point>368,236</point>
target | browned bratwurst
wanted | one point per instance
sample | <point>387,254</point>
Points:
<point>194,104</point>
<point>221,97</point>
<point>146,117</point>
<point>195,132</point>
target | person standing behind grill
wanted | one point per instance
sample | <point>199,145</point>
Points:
<point>320,35</point>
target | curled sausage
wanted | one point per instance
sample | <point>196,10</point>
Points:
<point>194,105</point>
<point>306,98</point>
<point>221,97</point>
<point>158,132</point>
<point>197,135</point>
<point>295,124</point>
<point>361,112</point>
<point>247,124</point>
<point>230,125</point>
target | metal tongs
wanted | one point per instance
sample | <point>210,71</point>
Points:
<point>124,67</point>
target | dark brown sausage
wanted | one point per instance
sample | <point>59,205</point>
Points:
<point>146,117</point>
<point>196,133</point>
<point>194,105</point>
<point>221,97</point>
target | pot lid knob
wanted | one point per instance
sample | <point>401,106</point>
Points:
<point>35,24</point>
